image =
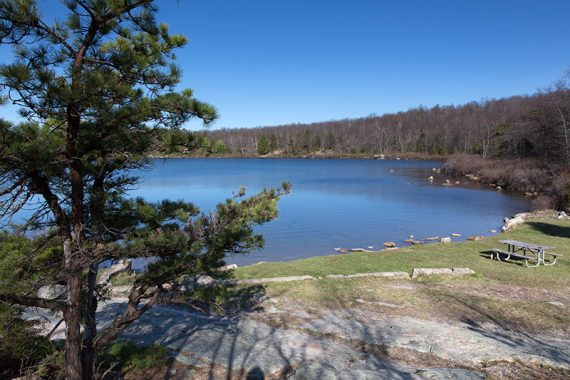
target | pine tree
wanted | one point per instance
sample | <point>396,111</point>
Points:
<point>97,89</point>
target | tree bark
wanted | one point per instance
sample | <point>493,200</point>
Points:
<point>72,316</point>
<point>88,352</point>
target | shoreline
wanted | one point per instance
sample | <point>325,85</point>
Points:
<point>387,157</point>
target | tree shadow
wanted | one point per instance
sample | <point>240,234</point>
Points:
<point>234,347</point>
<point>497,327</point>
<point>550,229</point>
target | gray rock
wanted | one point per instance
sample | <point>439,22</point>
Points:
<point>430,271</point>
<point>445,240</point>
<point>466,343</point>
<point>372,274</point>
<point>254,281</point>
<point>51,292</point>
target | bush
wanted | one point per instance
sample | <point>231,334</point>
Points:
<point>519,175</point>
<point>21,348</point>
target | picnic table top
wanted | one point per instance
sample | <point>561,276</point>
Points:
<point>523,244</point>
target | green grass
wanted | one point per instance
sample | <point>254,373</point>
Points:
<point>542,230</point>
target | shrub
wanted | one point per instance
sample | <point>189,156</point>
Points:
<point>519,175</point>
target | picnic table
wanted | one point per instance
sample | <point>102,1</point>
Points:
<point>530,252</point>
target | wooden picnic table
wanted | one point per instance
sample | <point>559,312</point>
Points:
<point>537,252</point>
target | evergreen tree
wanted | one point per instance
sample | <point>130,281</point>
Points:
<point>97,88</point>
<point>263,146</point>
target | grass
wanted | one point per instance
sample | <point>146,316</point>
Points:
<point>122,278</point>
<point>501,293</point>
<point>546,231</point>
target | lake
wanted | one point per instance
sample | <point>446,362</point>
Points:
<point>335,202</point>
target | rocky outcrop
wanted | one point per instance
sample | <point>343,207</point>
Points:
<point>516,220</point>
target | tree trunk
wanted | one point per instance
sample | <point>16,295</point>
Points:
<point>88,352</point>
<point>72,317</point>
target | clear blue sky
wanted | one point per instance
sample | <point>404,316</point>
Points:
<point>268,62</point>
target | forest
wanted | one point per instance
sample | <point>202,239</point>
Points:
<point>530,126</point>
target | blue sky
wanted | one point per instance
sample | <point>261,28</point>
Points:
<point>269,62</point>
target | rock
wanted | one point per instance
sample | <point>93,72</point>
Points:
<point>389,244</point>
<point>254,281</point>
<point>493,231</point>
<point>499,188</point>
<point>516,220</point>
<point>51,292</point>
<point>370,247</point>
<point>445,240</point>
<point>556,303</point>
<point>527,194</point>
<point>229,267</point>
<point>205,280</point>
<point>457,182</point>
<point>430,178</point>
<point>416,242</point>
<point>462,271</point>
<point>409,241</point>
<point>433,238</point>
<point>561,215</point>
<point>391,248</point>
<point>372,274</point>
<point>474,238</point>
<point>190,283</point>
<point>430,271</point>
<point>455,235</point>
<point>359,250</point>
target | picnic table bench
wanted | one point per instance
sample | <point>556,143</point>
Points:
<point>527,252</point>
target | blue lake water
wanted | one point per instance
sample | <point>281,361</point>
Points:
<point>335,203</point>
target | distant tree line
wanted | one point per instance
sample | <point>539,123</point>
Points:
<point>533,126</point>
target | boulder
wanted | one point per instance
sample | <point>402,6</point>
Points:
<point>445,240</point>
<point>229,267</point>
<point>561,215</point>
<point>389,244</point>
<point>433,238</point>
<point>473,238</point>
<point>51,292</point>
<point>510,223</point>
